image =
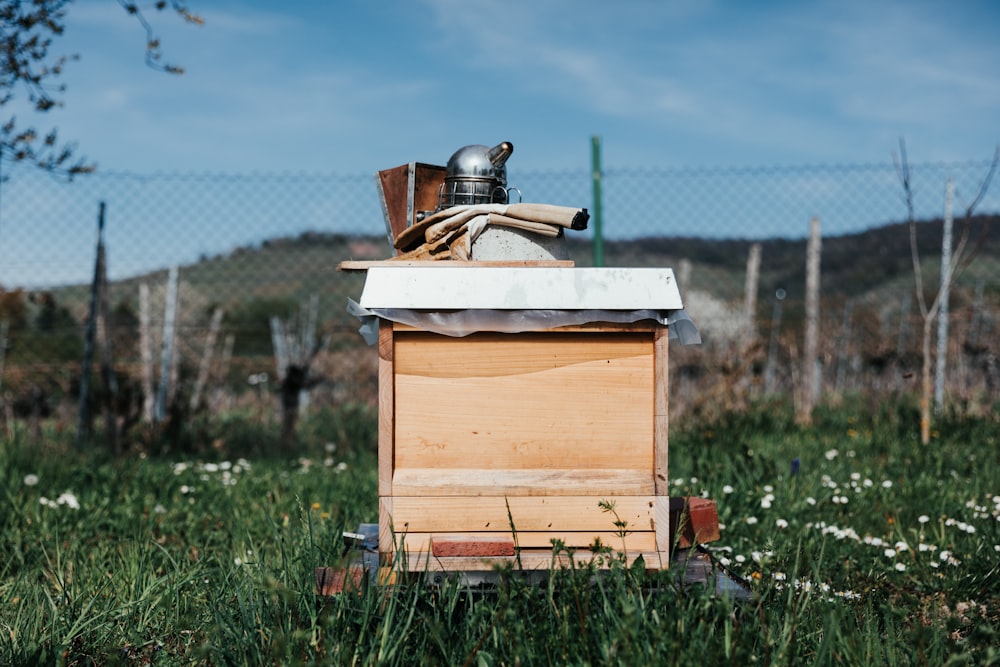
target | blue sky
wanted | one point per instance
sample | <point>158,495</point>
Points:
<point>356,86</point>
<point>349,87</point>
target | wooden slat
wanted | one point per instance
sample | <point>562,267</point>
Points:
<point>532,513</point>
<point>639,326</point>
<point>521,482</point>
<point>661,423</point>
<point>663,524</point>
<point>528,560</point>
<point>365,264</point>
<point>523,401</point>
<point>634,541</point>
<point>386,529</point>
<point>386,408</point>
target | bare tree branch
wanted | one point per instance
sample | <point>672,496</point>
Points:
<point>27,32</point>
<point>903,170</point>
<point>153,50</point>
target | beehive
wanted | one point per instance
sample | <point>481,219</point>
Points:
<point>518,406</point>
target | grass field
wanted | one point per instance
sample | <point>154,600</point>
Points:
<point>862,547</point>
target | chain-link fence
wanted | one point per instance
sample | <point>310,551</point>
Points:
<point>262,249</point>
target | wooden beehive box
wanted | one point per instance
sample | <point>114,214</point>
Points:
<point>526,429</point>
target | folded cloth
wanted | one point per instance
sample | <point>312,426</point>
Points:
<point>436,225</point>
<point>417,233</point>
<point>564,216</point>
<point>449,233</point>
<point>543,228</point>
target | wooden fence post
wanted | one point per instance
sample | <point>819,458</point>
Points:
<point>809,389</point>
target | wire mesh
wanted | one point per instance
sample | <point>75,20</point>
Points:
<point>260,246</point>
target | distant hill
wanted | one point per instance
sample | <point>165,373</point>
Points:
<point>278,274</point>
<point>856,266</point>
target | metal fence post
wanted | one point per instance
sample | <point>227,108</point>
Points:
<point>595,152</point>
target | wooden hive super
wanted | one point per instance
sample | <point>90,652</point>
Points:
<point>518,406</point>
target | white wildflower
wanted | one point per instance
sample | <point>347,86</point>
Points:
<point>900,567</point>
<point>887,484</point>
<point>923,518</point>
<point>69,500</point>
<point>781,523</point>
<point>727,489</point>
<point>30,479</point>
<point>831,454</point>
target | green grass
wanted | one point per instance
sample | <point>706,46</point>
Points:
<point>209,559</point>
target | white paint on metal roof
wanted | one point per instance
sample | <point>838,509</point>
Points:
<point>520,288</point>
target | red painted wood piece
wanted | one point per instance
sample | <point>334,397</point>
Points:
<point>693,521</point>
<point>335,580</point>
<point>459,545</point>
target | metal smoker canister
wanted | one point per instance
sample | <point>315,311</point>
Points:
<point>476,175</point>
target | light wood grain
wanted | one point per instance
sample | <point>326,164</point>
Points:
<point>634,541</point>
<point>528,560</point>
<point>524,401</point>
<point>386,528</point>
<point>531,513</point>
<point>386,408</point>
<point>661,423</point>
<point>608,482</point>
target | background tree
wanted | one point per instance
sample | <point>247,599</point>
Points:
<point>961,257</point>
<point>28,67</point>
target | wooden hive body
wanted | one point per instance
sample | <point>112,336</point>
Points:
<point>495,438</point>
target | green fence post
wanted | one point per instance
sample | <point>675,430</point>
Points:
<point>595,151</point>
